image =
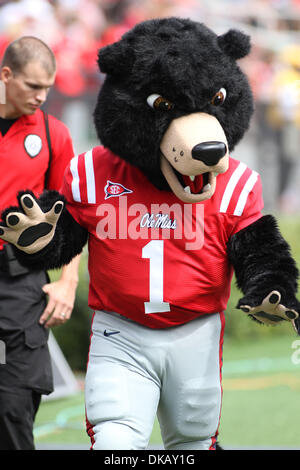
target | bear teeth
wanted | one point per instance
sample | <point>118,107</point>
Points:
<point>192,178</point>
<point>206,187</point>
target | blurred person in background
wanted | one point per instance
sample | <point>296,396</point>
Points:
<point>35,148</point>
<point>261,68</point>
<point>284,117</point>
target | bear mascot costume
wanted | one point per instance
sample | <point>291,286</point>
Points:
<point>168,216</point>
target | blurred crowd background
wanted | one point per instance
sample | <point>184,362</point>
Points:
<point>76,29</point>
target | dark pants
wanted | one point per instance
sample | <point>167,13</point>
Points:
<point>18,410</point>
<point>26,373</point>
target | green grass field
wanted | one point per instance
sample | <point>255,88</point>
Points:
<point>261,395</point>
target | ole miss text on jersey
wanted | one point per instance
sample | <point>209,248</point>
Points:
<point>152,258</point>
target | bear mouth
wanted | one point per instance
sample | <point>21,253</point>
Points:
<point>189,189</point>
<point>195,184</point>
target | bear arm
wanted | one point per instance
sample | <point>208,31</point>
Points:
<point>262,262</point>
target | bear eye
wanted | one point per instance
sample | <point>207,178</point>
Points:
<point>158,102</point>
<point>219,98</point>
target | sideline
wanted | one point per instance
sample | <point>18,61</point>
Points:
<point>61,422</point>
<point>263,364</point>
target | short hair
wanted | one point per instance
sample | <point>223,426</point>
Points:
<point>28,49</point>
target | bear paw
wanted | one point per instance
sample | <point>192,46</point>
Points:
<point>270,311</point>
<point>30,229</point>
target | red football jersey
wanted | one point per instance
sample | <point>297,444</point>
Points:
<point>153,258</point>
<point>24,157</point>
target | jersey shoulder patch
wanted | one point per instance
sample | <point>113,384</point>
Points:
<point>88,171</point>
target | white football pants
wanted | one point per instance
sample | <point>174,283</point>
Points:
<point>136,372</point>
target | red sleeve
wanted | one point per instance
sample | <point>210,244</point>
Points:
<point>66,189</point>
<point>248,208</point>
<point>62,152</point>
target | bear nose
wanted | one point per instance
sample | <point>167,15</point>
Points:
<point>209,152</point>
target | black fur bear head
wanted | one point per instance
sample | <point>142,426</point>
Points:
<point>188,67</point>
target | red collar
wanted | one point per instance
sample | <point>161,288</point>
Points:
<point>30,120</point>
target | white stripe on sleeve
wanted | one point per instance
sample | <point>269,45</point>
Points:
<point>90,177</point>
<point>233,181</point>
<point>245,193</point>
<point>75,180</point>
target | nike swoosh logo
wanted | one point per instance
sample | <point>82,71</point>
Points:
<point>110,333</point>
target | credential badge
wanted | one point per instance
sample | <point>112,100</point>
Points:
<point>33,145</point>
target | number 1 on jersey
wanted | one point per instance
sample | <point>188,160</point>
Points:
<point>154,250</point>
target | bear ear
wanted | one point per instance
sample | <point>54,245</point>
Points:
<point>115,58</point>
<point>235,44</point>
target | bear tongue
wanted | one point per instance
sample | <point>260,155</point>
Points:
<point>196,185</point>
